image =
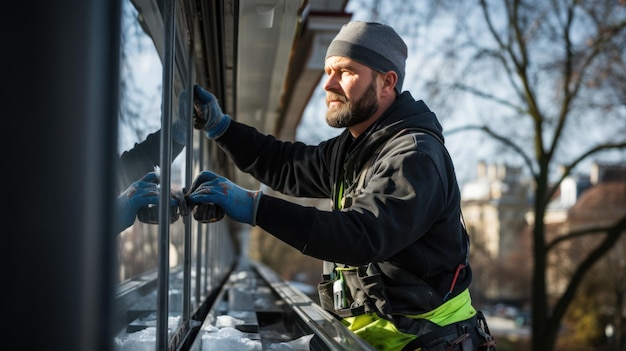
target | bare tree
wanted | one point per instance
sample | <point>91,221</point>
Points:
<point>549,79</point>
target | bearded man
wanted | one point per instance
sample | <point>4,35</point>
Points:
<point>394,246</point>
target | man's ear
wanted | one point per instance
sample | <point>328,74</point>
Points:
<point>390,79</point>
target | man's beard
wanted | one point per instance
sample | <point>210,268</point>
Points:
<point>350,113</point>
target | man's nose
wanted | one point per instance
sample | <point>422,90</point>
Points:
<point>332,83</point>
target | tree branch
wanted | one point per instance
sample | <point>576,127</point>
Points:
<point>491,97</point>
<point>500,138</point>
<point>568,168</point>
<point>613,234</point>
<point>579,234</point>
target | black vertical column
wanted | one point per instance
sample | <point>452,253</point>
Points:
<point>61,60</point>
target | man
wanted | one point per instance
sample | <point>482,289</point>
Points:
<point>400,276</point>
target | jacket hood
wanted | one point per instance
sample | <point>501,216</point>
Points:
<point>404,113</point>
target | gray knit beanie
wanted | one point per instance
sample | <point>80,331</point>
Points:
<point>375,45</point>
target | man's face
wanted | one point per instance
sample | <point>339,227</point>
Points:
<point>351,95</point>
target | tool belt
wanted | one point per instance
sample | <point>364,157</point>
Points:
<point>392,292</point>
<point>376,288</point>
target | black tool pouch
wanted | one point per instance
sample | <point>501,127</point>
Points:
<point>360,290</point>
<point>365,293</point>
<point>325,292</point>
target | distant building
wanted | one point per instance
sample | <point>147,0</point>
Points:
<point>494,202</point>
<point>493,207</point>
<point>583,201</point>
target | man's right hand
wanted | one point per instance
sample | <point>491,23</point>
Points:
<point>141,193</point>
<point>207,114</point>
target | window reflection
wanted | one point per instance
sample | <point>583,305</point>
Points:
<point>138,136</point>
<point>210,248</point>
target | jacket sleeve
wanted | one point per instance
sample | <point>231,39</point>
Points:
<point>291,168</point>
<point>141,159</point>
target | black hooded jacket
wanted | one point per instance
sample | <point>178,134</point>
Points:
<point>407,214</point>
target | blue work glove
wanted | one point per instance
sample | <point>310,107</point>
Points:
<point>208,115</point>
<point>238,203</point>
<point>180,126</point>
<point>141,193</point>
